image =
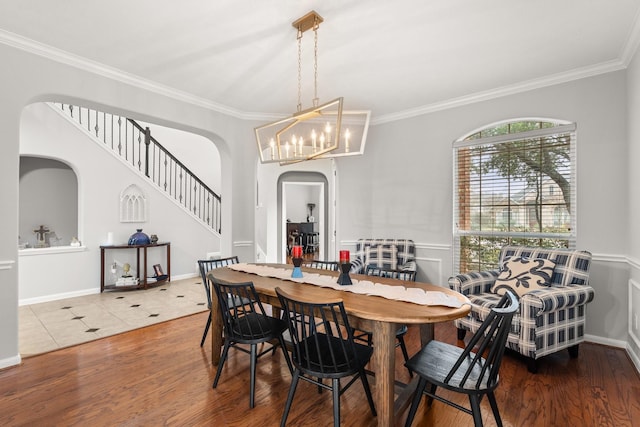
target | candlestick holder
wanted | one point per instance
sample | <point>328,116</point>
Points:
<point>344,278</point>
<point>297,272</point>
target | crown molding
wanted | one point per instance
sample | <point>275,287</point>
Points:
<point>63,57</point>
<point>58,55</point>
<point>633,41</point>
<point>554,79</point>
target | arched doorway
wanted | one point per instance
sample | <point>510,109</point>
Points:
<point>296,191</point>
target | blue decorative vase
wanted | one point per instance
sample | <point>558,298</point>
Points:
<point>139,238</point>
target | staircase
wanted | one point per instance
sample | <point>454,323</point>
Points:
<point>134,145</point>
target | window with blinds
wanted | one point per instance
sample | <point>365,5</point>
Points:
<point>514,183</point>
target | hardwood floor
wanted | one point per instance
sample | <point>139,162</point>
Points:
<point>159,375</point>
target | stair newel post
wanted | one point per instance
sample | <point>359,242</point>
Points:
<point>147,143</point>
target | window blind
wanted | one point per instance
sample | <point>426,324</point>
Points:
<point>513,184</point>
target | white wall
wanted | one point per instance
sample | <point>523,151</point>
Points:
<point>49,197</point>
<point>196,152</point>
<point>101,178</point>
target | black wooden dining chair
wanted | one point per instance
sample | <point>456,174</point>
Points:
<point>245,322</point>
<point>406,275</point>
<point>321,265</point>
<point>205,266</point>
<point>323,348</point>
<point>462,370</point>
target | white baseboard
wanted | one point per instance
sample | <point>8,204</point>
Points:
<point>55,297</point>
<point>10,361</point>
<point>81,293</point>
<point>185,276</point>
<point>605,341</point>
<point>634,358</point>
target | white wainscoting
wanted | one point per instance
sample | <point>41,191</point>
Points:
<point>634,322</point>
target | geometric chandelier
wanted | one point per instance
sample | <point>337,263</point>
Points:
<point>322,131</point>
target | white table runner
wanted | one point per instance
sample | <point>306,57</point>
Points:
<point>365,287</point>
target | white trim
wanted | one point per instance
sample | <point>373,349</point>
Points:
<point>633,262</point>
<point>498,139</point>
<point>243,243</point>
<point>51,250</point>
<point>630,322</point>
<point>433,246</point>
<point>634,358</point>
<point>633,41</point>
<point>55,297</point>
<point>84,292</point>
<point>58,55</point>
<point>63,57</point>
<point>609,258</point>
<point>184,276</point>
<point>10,361</point>
<point>554,79</point>
<point>605,341</point>
<point>7,264</point>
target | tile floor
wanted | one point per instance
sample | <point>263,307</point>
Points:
<point>56,324</point>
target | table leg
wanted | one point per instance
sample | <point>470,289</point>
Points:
<point>384,364</point>
<point>426,333</point>
<point>406,395</point>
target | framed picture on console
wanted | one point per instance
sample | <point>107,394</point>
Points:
<point>157,269</point>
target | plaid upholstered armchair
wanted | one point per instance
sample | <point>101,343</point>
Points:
<point>394,254</point>
<point>553,287</point>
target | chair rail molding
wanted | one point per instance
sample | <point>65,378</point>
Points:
<point>243,243</point>
<point>633,262</point>
<point>7,264</point>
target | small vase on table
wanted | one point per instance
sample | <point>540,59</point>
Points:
<point>296,253</point>
<point>345,267</point>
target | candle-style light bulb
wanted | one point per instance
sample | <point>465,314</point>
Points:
<point>286,147</point>
<point>327,130</point>
<point>313,139</point>
<point>347,135</point>
<point>294,141</point>
<point>272,144</point>
<point>300,144</point>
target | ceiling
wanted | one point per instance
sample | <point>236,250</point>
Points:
<point>393,58</point>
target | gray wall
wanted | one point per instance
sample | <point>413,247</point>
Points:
<point>404,184</point>
<point>49,197</point>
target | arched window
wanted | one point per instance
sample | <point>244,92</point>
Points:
<point>514,183</point>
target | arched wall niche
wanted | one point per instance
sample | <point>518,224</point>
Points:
<point>48,197</point>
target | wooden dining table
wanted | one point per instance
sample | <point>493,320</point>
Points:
<point>370,313</point>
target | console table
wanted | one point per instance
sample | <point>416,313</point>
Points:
<point>142,274</point>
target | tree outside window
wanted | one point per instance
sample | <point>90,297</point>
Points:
<point>514,184</point>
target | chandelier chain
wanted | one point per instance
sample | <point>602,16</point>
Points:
<point>299,70</point>
<point>316,25</point>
